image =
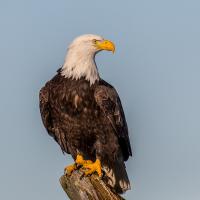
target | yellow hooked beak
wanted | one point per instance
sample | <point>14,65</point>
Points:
<point>105,45</point>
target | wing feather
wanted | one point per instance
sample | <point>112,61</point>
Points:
<point>109,102</point>
<point>45,110</point>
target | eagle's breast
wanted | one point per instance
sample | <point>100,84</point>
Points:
<point>81,103</point>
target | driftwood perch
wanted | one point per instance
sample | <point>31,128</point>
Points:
<point>79,187</point>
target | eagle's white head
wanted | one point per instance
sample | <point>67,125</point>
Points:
<point>80,58</point>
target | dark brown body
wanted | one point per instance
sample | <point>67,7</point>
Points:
<point>85,119</point>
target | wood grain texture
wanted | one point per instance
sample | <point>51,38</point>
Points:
<point>79,187</point>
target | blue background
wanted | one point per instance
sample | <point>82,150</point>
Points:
<point>156,70</point>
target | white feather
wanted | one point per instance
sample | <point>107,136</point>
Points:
<point>80,59</point>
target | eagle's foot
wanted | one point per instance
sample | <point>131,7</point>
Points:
<point>69,169</point>
<point>81,161</point>
<point>93,167</point>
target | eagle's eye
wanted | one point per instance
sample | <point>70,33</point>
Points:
<point>94,41</point>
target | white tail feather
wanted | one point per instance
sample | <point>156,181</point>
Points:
<point>117,177</point>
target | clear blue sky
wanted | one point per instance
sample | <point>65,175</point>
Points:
<point>156,70</point>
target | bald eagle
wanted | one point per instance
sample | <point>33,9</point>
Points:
<point>84,115</point>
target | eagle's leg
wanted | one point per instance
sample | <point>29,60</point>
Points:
<point>81,161</point>
<point>93,167</point>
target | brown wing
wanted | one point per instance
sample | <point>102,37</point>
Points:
<point>47,118</point>
<point>109,102</point>
<point>45,108</point>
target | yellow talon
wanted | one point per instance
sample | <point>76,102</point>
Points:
<point>69,169</point>
<point>94,167</point>
<point>79,161</point>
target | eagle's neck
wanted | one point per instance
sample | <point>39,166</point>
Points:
<point>80,64</point>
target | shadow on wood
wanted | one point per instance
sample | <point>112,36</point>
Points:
<point>79,187</point>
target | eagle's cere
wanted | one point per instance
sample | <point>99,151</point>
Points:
<point>83,113</point>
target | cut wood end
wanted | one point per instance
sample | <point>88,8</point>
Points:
<point>79,187</point>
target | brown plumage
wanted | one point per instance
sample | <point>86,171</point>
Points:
<point>88,120</point>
